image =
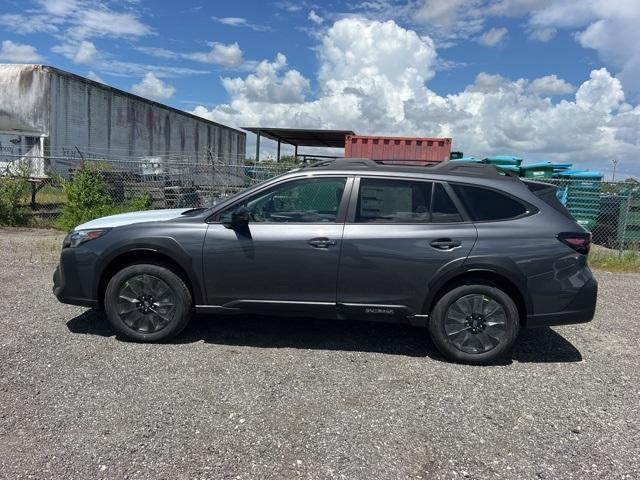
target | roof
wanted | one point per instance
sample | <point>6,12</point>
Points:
<point>303,137</point>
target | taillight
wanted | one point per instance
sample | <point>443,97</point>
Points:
<point>579,241</point>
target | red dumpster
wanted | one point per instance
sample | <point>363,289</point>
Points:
<point>406,150</point>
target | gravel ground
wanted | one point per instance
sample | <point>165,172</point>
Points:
<point>255,397</point>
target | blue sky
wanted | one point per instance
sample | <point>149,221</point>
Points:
<point>544,79</point>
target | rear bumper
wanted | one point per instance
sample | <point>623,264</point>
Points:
<point>581,309</point>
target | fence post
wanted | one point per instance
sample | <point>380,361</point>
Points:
<point>213,176</point>
<point>625,220</point>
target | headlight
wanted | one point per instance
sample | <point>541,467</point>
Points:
<point>75,239</point>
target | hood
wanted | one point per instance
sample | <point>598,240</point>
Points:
<point>133,217</point>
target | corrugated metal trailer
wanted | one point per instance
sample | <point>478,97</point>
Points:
<point>50,112</point>
<point>422,151</point>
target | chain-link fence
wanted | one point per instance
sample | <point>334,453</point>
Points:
<point>159,182</point>
<point>610,210</point>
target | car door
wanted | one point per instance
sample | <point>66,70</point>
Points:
<point>287,257</point>
<point>399,234</point>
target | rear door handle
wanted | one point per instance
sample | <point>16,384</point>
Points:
<point>445,244</point>
<point>321,242</point>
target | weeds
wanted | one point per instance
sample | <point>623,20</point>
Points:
<point>612,261</point>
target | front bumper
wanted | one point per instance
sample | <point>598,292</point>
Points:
<point>73,279</point>
<point>580,310</point>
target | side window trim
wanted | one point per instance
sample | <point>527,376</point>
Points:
<point>342,208</point>
<point>353,201</point>
<point>355,193</point>
<point>466,218</point>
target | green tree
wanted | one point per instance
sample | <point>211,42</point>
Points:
<point>13,188</point>
<point>12,191</point>
<point>87,198</point>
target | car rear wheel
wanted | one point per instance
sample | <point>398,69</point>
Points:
<point>147,303</point>
<point>474,324</point>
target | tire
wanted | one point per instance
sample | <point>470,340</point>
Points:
<point>147,303</point>
<point>468,330</point>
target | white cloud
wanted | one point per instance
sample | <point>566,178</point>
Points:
<point>18,53</point>
<point>542,34</point>
<point>59,7</point>
<point>441,13</point>
<point>154,88</point>
<point>601,93</point>
<point>107,23</point>
<point>493,37</point>
<point>315,18</point>
<point>240,22</point>
<point>91,75</point>
<point>220,54</point>
<point>84,52</point>
<point>610,28</point>
<point>27,24</point>
<point>227,55</point>
<point>159,52</point>
<point>133,69</point>
<point>76,20</point>
<point>513,8</point>
<point>289,6</point>
<point>267,85</point>
<point>551,85</point>
<point>383,90</point>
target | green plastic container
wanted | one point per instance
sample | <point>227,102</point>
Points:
<point>538,170</point>
<point>543,169</point>
<point>583,195</point>
<point>504,160</point>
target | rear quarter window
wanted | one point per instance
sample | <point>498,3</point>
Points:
<point>485,205</point>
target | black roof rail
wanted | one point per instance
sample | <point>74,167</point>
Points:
<point>446,167</point>
<point>477,169</point>
<point>345,163</point>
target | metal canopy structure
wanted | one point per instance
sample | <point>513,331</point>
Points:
<point>300,137</point>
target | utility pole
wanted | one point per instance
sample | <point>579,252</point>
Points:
<point>615,163</point>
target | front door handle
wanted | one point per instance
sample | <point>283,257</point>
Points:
<point>321,242</point>
<point>445,244</point>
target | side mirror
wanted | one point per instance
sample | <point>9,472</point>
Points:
<point>239,218</point>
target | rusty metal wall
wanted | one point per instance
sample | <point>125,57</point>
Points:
<point>85,119</point>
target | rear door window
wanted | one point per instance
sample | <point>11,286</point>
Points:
<point>382,200</point>
<point>393,201</point>
<point>483,204</point>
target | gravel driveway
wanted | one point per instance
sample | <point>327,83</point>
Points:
<point>254,398</point>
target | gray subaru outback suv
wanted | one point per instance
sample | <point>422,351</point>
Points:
<point>470,253</point>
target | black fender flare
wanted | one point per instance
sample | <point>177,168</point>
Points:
<point>161,245</point>
<point>502,266</point>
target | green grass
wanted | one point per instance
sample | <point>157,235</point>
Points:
<point>47,195</point>
<point>611,261</point>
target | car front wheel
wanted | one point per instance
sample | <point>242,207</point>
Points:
<point>474,324</point>
<point>147,303</point>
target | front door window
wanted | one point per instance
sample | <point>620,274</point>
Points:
<point>313,200</point>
